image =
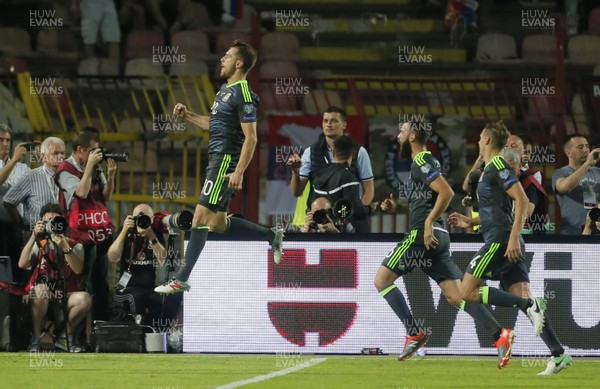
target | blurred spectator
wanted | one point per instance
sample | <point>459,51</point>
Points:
<point>84,194</point>
<point>537,207</point>
<point>140,251</point>
<point>99,15</point>
<point>56,261</point>
<point>577,185</point>
<point>532,182</point>
<point>37,188</point>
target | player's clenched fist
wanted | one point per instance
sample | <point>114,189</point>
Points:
<point>180,110</point>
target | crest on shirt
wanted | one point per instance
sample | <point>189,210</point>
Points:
<point>425,168</point>
<point>248,108</point>
<point>503,174</point>
<point>226,97</point>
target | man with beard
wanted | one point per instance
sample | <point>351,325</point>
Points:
<point>232,127</point>
<point>427,246</point>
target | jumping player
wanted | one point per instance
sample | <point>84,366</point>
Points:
<point>232,126</point>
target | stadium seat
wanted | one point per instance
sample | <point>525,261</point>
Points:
<point>271,70</point>
<point>57,43</point>
<point>89,67</point>
<point>271,102</point>
<point>109,67</point>
<point>224,40</point>
<point>194,17</point>
<point>280,46</point>
<point>578,109</point>
<point>318,99</point>
<point>135,126</point>
<point>540,109</point>
<point>594,22</point>
<point>494,47</point>
<point>539,48</point>
<point>189,68</point>
<point>245,23</point>
<point>194,44</point>
<point>15,41</point>
<point>584,50</point>
<point>146,68</point>
<point>572,127</point>
<point>96,122</point>
<point>140,44</point>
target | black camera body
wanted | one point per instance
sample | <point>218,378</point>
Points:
<point>595,215</point>
<point>118,156</point>
<point>341,212</point>
<point>142,221</point>
<point>55,226</point>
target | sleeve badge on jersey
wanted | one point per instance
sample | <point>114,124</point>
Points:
<point>248,108</point>
<point>226,97</point>
<point>503,174</point>
<point>425,168</point>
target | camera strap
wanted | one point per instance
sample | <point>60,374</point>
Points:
<point>132,251</point>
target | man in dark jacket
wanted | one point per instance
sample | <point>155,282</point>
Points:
<point>337,182</point>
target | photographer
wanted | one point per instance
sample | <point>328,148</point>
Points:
<point>56,262</point>
<point>325,223</point>
<point>336,182</point>
<point>139,250</point>
<point>592,221</point>
<point>83,196</point>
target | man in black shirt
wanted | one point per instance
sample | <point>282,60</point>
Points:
<point>232,127</point>
<point>337,182</point>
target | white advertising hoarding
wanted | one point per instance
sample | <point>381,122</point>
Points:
<point>321,299</point>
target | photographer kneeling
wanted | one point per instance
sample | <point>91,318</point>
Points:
<point>592,221</point>
<point>56,262</point>
<point>140,251</point>
<point>337,183</point>
<point>320,218</point>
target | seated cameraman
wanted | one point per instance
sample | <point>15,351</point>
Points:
<point>337,182</point>
<point>140,251</point>
<point>325,222</point>
<point>56,262</point>
<point>592,222</point>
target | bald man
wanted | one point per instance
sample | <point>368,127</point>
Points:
<point>140,252</point>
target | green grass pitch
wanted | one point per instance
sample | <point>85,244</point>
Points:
<point>48,369</point>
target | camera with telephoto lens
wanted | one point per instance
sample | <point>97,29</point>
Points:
<point>595,215</point>
<point>55,226</point>
<point>118,156</point>
<point>169,222</point>
<point>31,145</point>
<point>142,221</point>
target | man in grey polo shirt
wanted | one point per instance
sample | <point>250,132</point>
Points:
<point>577,185</point>
<point>37,188</point>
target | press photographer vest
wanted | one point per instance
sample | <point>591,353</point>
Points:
<point>88,218</point>
<point>48,262</point>
<point>319,159</point>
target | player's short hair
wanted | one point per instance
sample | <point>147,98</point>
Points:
<point>335,109</point>
<point>246,53</point>
<point>569,138</point>
<point>498,133</point>
<point>50,207</point>
<point>510,154</point>
<point>343,147</point>
<point>83,139</point>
